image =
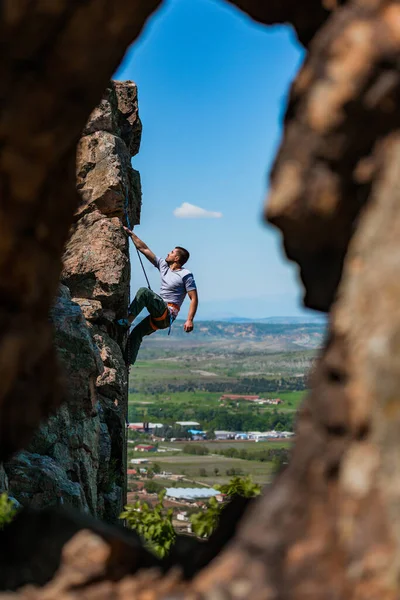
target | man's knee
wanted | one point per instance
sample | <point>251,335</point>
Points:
<point>142,292</point>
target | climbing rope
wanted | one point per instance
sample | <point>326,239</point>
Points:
<point>127,352</point>
<point>138,253</point>
<point>144,270</point>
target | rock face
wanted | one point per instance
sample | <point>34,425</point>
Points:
<point>306,16</point>
<point>51,83</point>
<point>77,457</point>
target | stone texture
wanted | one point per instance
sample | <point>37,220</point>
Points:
<point>32,550</point>
<point>77,458</point>
<point>343,102</point>
<point>92,310</point>
<point>97,271</point>
<point>306,17</point>
<point>96,263</point>
<point>61,465</point>
<point>56,61</point>
<point>38,481</point>
<point>130,126</point>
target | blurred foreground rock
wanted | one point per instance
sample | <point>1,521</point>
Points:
<point>329,526</point>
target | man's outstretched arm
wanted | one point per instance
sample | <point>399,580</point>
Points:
<point>142,247</point>
<point>194,302</point>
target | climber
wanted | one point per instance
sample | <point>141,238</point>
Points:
<point>176,282</point>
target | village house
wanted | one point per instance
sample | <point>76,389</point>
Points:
<point>145,427</point>
<point>224,435</point>
<point>145,448</point>
<point>238,397</point>
<point>195,495</point>
<point>249,398</point>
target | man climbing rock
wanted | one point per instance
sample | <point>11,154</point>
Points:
<point>176,282</point>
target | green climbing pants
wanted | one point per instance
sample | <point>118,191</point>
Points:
<point>159,318</point>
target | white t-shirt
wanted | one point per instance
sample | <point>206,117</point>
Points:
<point>174,284</point>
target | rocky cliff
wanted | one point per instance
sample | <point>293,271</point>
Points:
<point>77,457</point>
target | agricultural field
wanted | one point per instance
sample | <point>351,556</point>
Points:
<point>215,371</point>
<point>213,445</point>
<point>182,378</point>
<point>212,399</point>
<point>207,409</point>
<point>212,468</point>
<point>228,357</point>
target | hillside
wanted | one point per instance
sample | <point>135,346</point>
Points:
<point>309,319</point>
<point>227,357</point>
<point>270,337</point>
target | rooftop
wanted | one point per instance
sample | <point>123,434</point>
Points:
<point>150,425</point>
<point>191,493</point>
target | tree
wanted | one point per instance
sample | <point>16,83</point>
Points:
<point>210,435</point>
<point>202,472</point>
<point>198,449</point>
<point>152,487</point>
<point>279,461</point>
<point>156,468</point>
<point>233,471</point>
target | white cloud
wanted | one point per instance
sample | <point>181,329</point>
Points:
<point>190,211</point>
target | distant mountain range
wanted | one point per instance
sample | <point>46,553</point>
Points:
<point>279,335</point>
<point>315,319</point>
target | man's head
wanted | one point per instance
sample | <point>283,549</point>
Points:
<point>178,255</point>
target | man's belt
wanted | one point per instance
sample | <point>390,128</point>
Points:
<point>156,322</point>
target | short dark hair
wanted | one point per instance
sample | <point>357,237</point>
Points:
<point>183,255</point>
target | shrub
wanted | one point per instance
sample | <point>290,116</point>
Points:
<point>198,449</point>
<point>205,522</point>
<point>7,510</point>
<point>240,486</point>
<point>152,487</point>
<point>153,524</point>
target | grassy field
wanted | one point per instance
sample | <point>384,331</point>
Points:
<point>182,484</point>
<point>185,397</point>
<point>176,448</point>
<point>215,364</point>
<point>291,400</point>
<point>217,446</point>
<point>192,467</point>
<point>211,399</point>
<point>212,469</point>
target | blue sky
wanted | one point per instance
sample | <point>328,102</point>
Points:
<point>212,93</point>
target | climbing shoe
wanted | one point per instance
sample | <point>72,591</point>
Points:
<point>124,323</point>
